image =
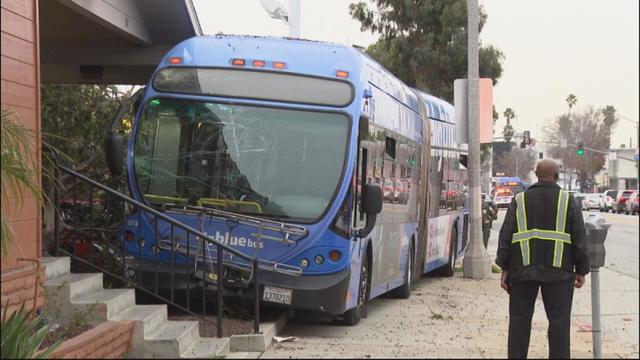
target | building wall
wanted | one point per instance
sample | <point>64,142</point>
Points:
<point>20,91</point>
<point>624,173</point>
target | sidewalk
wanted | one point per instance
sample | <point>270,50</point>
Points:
<point>449,318</point>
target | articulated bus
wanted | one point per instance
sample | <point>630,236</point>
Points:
<point>343,181</point>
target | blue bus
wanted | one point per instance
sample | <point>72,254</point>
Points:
<point>343,181</point>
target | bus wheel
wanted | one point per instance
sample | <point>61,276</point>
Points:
<point>447,270</point>
<point>352,317</point>
<point>404,292</point>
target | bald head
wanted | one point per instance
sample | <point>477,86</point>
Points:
<point>546,169</point>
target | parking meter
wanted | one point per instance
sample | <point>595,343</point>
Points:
<point>597,229</point>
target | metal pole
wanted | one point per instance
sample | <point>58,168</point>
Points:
<point>294,18</point>
<point>477,264</point>
<point>595,313</point>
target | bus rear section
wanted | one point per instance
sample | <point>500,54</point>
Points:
<point>447,217</point>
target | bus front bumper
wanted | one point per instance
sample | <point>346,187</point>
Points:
<point>317,293</point>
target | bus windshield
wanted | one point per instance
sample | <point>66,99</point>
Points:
<point>253,160</point>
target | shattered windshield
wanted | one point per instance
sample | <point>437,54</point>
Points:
<point>252,160</point>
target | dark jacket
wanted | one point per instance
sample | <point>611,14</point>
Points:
<point>541,200</point>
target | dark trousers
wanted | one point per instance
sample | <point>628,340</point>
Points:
<point>557,298</point>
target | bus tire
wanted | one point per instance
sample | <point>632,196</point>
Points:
<point>352,317</point>
<point>404,291</point>
<point>448,269</point>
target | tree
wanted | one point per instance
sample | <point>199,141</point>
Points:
<point>424,43</point>
<point>571,101</point>
<point>517,162</point>
<point>75,119</point>
<point>74,122</point>
<point>592,128</point>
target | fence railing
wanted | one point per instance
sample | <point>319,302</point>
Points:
<point>95,219</point>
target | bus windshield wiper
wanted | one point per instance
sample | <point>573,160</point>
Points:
<point>286,230</point>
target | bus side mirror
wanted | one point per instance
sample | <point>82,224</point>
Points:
<point>372,206</point>
<point>114,152</point>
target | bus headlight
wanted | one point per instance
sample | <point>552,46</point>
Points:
<point>304,263</point>
<point>319,260</point>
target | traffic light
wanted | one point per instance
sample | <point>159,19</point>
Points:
<point>527,137</point>
<point>580,150</point>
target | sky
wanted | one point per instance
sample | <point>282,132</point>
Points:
<point>552,49</point>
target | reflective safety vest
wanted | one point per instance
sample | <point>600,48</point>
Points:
<point>525,236</point>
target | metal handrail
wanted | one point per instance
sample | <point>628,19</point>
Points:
<point>252,265</point>
<point>155,212</point>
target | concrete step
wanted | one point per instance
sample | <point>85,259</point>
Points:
<point>147,318</point>
<point>56,266</point>
<point>72,285</point>
<point>109,302</point>
<point>207,348</point>
<point>172,338</point>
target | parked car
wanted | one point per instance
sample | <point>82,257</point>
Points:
<point>632,204</point>
<point>620,204</point>
<point>591,201</point>
<point>607,200</point>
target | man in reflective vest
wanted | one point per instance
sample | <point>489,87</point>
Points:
<point>542,245</point>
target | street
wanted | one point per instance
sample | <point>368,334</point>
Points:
<point>462,318</point>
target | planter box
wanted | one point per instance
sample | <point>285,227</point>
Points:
<point>108,340</point>
<point>18,287</point>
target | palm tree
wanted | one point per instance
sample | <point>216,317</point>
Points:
<point>18,169</point>
<point>508,130</point>
<point>571,101</point>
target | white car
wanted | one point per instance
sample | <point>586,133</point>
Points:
<point>591,201</point>
<point>607,200</point>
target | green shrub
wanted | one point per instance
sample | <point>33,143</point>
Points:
<point>22,335</point>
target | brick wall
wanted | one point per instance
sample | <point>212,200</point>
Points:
<point>20,92</point>
<point>109,340</point>
<point>18,286</point>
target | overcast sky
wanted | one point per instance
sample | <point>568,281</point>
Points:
<point>552,48</point>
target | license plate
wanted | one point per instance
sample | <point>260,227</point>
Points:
<point>277,295</point>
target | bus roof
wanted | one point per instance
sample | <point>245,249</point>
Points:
<point>437,108</point>
<point>308,57</point>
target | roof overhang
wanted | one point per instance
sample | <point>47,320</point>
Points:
<point>110,42</point>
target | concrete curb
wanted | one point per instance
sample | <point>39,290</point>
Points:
<point>260,342</point>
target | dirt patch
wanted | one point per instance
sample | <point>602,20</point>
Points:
<point>63,333</point>
<point>209,328</point>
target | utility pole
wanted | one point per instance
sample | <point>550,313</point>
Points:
<point>294,18</point>
<point>477,264</point>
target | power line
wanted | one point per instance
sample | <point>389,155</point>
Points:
<point>626,118</point>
